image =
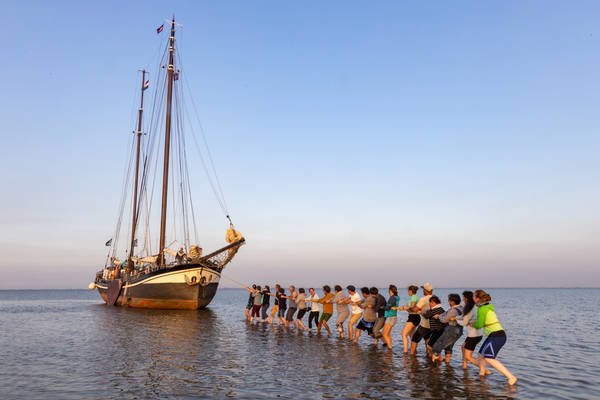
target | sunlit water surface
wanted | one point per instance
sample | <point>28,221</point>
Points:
<point>67,344</point>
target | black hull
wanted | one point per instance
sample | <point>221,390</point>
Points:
<point>188,286</point>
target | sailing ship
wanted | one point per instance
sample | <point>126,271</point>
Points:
<point>166,278</point>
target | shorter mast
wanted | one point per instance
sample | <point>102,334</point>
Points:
<point>137,167</point>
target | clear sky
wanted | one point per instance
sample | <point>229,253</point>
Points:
<point>357,142</point>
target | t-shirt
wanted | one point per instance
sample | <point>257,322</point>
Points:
<point>301,301</point>
<point>412,299</point>
<point>435,323</point>
<point>380,306</point>
<point>370,314</point>
<point>423,305</point>
<point>282,301</point>
<point>355,298</point>
<point>292,298</point>
<point>266,298</point>
<point>487,319</point>
<point>327,307</point>
<point>314,303</point>
<point>340,308</point>
<point>257,298</point>
<point>251,299</point>
<point>393,301</point>
<point>467,319</point>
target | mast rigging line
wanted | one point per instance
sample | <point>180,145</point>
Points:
<point>221,199</point>
<point>233,280</point>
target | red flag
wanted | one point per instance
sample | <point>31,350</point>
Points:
<point>160,28</point>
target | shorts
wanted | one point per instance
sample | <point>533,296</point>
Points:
<point>325,317</point>
<point>492,345</point>
<point>391,321</point>
<point>256,310</point>
<point>414,319</point>
<point>274,310</point>
<point>354,318</point>
<point>471,342</point>
<point>365,326</point>
<point>290,314</point>
<point>435,335</point>
<point>421,333</point>
<point>281,313</point>
<point>301,313</point>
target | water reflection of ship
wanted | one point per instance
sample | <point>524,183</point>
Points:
<point>164,278</point>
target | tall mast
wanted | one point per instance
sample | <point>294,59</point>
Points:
<point>137,168</point>
<point>163,214</point>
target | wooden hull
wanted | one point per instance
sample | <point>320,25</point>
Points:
<point>187,287</point>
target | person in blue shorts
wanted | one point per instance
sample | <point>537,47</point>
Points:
<point>495,335</point>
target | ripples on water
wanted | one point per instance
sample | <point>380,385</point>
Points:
<point>67,344</point>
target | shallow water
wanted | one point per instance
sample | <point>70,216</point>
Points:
<point>67,344</point>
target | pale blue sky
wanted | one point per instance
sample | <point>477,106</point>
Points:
<point>357,142</point>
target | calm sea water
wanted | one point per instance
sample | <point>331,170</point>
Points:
<point>67,344</point>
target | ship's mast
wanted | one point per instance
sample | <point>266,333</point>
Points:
<point>163,214</point>
<point>137,168</point>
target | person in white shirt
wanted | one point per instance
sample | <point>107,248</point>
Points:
<point>474,336</point>
<point>355,311</point>
<point>315,308</point>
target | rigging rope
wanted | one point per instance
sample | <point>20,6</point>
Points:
<point>233,280</point>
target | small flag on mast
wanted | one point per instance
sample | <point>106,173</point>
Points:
<point>146,85</point>
<point>109,242</point>
<point>176,76</point>
<point>160,28</point>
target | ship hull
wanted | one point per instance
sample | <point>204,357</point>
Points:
<point>187,287</point>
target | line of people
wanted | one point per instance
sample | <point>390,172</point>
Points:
<point>370,312</point>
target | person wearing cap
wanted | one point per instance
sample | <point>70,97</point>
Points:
<point>423,331</point>
<point>356,312</point>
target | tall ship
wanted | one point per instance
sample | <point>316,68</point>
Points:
<point>176,274</point>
